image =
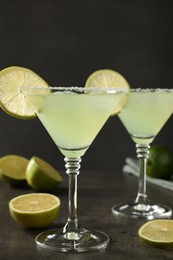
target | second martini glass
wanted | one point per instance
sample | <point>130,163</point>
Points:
<point>73,117</point>
<point>144,114</point>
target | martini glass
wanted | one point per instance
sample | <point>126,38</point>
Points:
<point>144,114</point>
<point>73,116</point>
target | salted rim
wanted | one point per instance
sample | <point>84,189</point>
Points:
<point>79,89</point>
<point>146,90</point>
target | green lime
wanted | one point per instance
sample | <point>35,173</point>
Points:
<point>158,233</point>
<point>12,169</point>
<point>41,176</point>
<point>35,210</point>
<point>107,78</point>
<point>160,162</point>
<point>12,98</point>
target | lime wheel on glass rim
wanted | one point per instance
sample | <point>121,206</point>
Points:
<point>107,78</point>
<point>12,98</point>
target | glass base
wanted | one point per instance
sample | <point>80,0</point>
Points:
<point>72,241</point>
<point>134,210</point>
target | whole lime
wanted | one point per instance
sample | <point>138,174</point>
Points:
<point>160,162</point>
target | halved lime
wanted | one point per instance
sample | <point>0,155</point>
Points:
<point>12,169</point>
<point>34,210</point>
<point>157,233</point>
<point>41,176</point>
<point>107,78</point>
<point>12,98</point>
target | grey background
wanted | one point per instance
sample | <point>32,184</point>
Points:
<point>64,42</point>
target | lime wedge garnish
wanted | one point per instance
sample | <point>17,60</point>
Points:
<point>158,233</point>
<point>107,78</point>
<point>34,210</point>
<point>41,176</point>
<point>12,98</point>
<point>12,169</point>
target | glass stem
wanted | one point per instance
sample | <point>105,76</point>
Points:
<point>142,154</point>
<point>72,169</point>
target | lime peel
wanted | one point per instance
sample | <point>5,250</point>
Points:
<point>41,176</point>
<point>12,169</point>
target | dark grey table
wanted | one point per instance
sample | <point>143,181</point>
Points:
<point>97,193</point>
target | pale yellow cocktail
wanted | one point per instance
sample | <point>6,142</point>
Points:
<point>145,114</point>
<point>74,119</point>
